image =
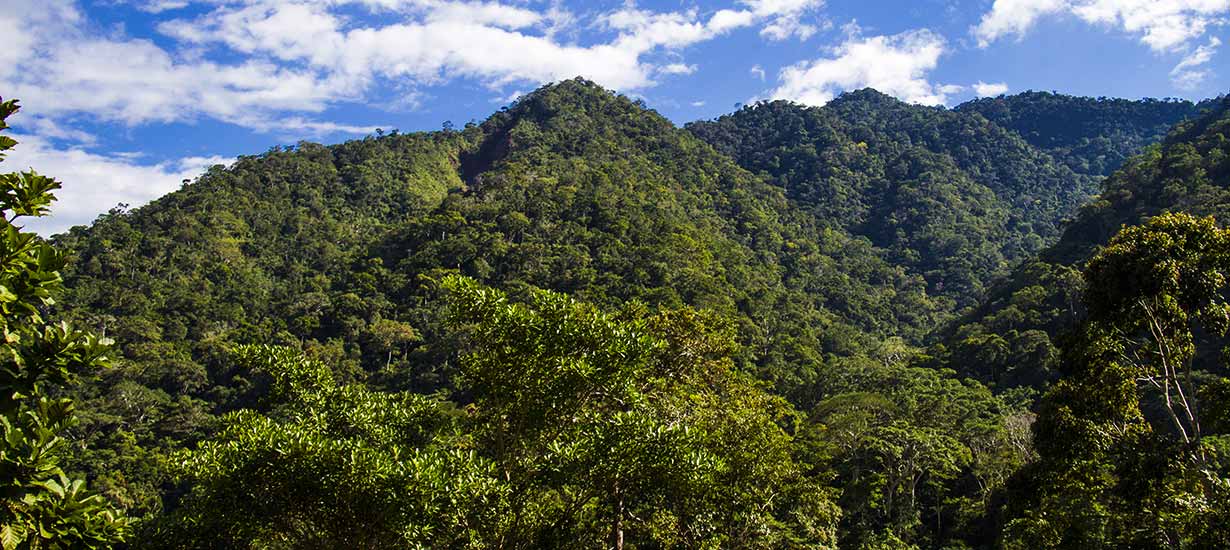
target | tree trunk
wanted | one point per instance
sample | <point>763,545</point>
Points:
<point>617,527</point>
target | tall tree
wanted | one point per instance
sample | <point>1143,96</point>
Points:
<point>635,421</point>
<point>330,466</point>
<point>1126,460</point>
<point>40,505</point>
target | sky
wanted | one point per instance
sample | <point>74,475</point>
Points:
<point>124,99</point>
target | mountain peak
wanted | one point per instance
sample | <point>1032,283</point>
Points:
<point>866,95</point>
<point>570,118</point>
<point>574,94</point>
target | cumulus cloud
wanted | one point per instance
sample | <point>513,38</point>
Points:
<point>250,62</point>
<point>785,17</point>
<point>136,82</point>
<point>677,68</point>
<point>1163,25</point>
<point>897,65</point>
<point>1014,18</point>
<point>984,89</point>
<point>93,182</point>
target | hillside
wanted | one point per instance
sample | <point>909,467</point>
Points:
<point>1009,340</point>
<point>333,250</point>
<point>949,196</point>
<point>1093,136</point>
<point>832,242</point>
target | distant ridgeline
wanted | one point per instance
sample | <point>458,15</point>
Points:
<point>839,241</point>
<point>1091,136</point>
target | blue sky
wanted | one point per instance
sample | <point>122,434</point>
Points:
<point>123,99</point>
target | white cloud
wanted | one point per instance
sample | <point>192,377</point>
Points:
<point>677,68</point>
<point>698,103</point>
<point>159,6</point>
<point>45,127</point>
<point>1163,25</point>
<point>496,15</point>
<point>785,17</point>
<point>758,72</point>
<point>781,7</point>
<point>137,82</point>
<point>727,20</point>
<point>94,183</point>
<point>250,62</point>
<point>896,65</point>
<point>253,62</point>
<point>1190,73</point>
<point>984,89</point>
<point>1014,18</point>
<point>785,27</point>
<point>949,89</point>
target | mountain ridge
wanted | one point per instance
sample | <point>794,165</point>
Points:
<point>836,253</point>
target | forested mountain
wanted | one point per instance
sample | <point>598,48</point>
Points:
<point>1009,340</point>
<point>1093,136</point>
<point>333,250</point>
<point>948,195</point>
<point>583,322</point>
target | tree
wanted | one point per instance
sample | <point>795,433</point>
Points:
<point>1125,459</point>
<point>918,455</point>
<point>40,505</point>
<point>1151,292</point>
<point>331,466</point>
<point>633,420</point>
<point>584,428</point>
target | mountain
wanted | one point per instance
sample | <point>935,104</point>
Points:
<point>1093,136</point>
<point>950,196</point>
<point>836,242</point>
<point>334,249</point>
<point>1008,340</point>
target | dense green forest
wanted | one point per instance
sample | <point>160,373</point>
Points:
<point>574,324</point>
<point>1009,339</point>
<point>1092,136</point>
<point>948,196</point>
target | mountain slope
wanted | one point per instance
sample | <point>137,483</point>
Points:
<point>835,239</point>
<point>950,196</point>
<point>585,192</point>
<point>246,253</point>
<point>1008,339</point>
<point>1092,136</point>
<point>334,249</point>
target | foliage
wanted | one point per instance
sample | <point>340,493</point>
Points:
<point>829,243</point>
<point>40,505</point>
<point>947,195</point>
<point>584,428</point>
<point>330,466</point>
<point>1113,473</point>
<point>267,251</point>
<point>921,458</point>
<point>634,421</point>
<point>1091,135</point>
<point>1009,340</point>
<point>326,249</point>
